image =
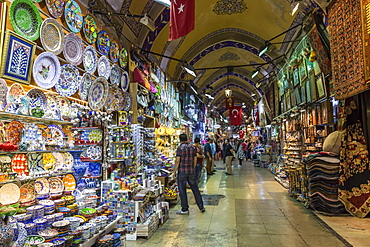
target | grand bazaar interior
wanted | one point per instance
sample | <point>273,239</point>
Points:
<point>253,112</point>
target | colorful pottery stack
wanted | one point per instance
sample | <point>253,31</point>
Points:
<point>116,240</point>
<point>36,211</point>
<point>77,237</point>
<point>88,213</point>
<point>58,242</point>
<point>106,240</point>
<point>50,219</point>
<point>48,234</point>
<point>74,208</point>
<point>62,227</point>
<point>34,240</point>
<point>92,227</point>
<point>41,224</point>
<point>74,223</point>
<point>69,241</point>
<point>49,206</point>
<point>65,211</point>
<point>58,216</point>
<point>103,220</point>
<point>85,232</point>
<point>59,203</point>
<point>23,218</point>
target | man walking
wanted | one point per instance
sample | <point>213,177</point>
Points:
<point>230,154</point>
<point>208,156</point>
<point>185,172</point>
<point>199,159</point>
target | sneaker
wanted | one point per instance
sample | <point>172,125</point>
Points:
<point>180,212</point>
<point>203,210</point>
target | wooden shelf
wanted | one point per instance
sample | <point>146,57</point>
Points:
<point>31,119</point>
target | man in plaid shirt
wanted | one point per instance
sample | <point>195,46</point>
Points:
<point>185,172</point>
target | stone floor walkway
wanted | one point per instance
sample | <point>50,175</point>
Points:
<point>256,211</point>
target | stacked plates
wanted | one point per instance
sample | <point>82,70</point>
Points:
<point>58,242</point>
<point>58,216</point>
<point>69,199</point>
<point>34,240</point>
<point>23,218</point>
<point>107,240</point>
<point>59,203</point>
<point>36,211</point>
<point>62,227</point>
<point>88,213</point>
<point>30,228</point>
<point>48,234</point>
<point>41,224</point>
<point>65,211</point>
<point>77,236</point>
<point>49,206</point>
<point>74,223</point>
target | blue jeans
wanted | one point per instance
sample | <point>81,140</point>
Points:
<point>182,178</point>
<point>198,170</point>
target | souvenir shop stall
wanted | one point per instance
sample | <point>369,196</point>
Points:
<point>78,163</point>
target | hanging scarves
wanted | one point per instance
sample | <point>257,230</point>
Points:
<point>354,181</point>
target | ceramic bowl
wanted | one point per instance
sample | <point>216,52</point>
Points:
<point>34,240</point>
<point>58,242</point>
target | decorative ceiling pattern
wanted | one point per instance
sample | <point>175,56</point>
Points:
<point>162,20</point>
<point>229,7</point>
<point>229,56</point>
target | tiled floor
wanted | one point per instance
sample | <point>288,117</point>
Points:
<point>256,211</point>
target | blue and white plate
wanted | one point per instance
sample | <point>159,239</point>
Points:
<point>37,98</point>
<point>98,93</point>
<point>125,81</point>
<point>115,75</point>
<point>73,49</point>
<point>46,70</point>
<point>3,94</point>
<point>69,80</point>
<point>104,67</point>
<point>85,84</point>
<point>90,59</point>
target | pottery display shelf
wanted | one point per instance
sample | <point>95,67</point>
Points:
<point>30,119</point>
<point>29,178</point>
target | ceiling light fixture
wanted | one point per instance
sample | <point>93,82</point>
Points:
<point>228,91</point>
<point>294,6</point>
<point>149,23</point>
<point>256,72</point>
<point>166,3</point>
<point>189,69</point>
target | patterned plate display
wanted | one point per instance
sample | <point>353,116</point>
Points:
<point>90,59</point>
<point>14,131</point>
<point>19,164</point>
<point>95,135</point>
<point>55,7</point>
<point>56,185</point>
<point>127,101</point>
<point>37,98</point>
<point>53,110</point>
<point>51,35</point>
<point>49,161</point>
<point>9,194</point>
<point>15,92</point>
<point>35,164</point>
<point>64,106</point>
<point>104,67</point>
<point>90,29</point>
<point>27,193</point>
<point>115,99</point>
<point>69,80</point>
<point>115,75</point>
<point>3,94</point>
<point>25,19</point>
<point>42,186</point>
<point>46,70</point>
<point>103,42</point>
<point>57,133</point>
<point>98,93</point>
<point>123,58</point>
<point>114,51</point>
<point>73,49</point>
<point>125,81</point>
<point>69,182</point>
<point>68,160</point>
<point>73,16</point>
<point>85,84</point>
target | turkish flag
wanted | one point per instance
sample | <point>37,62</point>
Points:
<point>182,18</point>
<point>235,117</point>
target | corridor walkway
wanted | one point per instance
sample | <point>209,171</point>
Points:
<point>256,211</point>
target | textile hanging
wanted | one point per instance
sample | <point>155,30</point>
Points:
<point>321,54</point>
<point>346,48</point>
<point>354,181</point>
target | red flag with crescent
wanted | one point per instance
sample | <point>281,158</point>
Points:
<point>182,18</point>
<point>235,117</point>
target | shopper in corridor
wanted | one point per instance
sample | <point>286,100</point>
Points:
<point>185,172</point>
<point>230,154</point>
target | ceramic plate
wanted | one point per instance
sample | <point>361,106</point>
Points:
<point>90,29</point>
<point>9,194</point>
<point>35,163</point>
<point>73,49</point>
<point>46,70</point>
<point>85,84</point>
<point>27,193</point>
<point>19,164</point>
<point>14,131</point>
<point>15,92</point>
<point>114,51</point>
<point>49,161</point>
<point>98,93</point>
<point>95,135</point>
<point>56,185</point>
<point>69,80</point>
<point>103,42</point>
<point>37,98</point>
<point>90,59</point>
<point>115,99</point>
<point>3,94</point>
<point>125,81</point>
<point>56,132</point>
<point>53,110</point>
<point>68,160</point>
<point>120,98</point>
<point>104,67</point>
<point>115,75</point>
<point>51,34</point>
<point>64,106</point>
<point>55,7</point>
<point>25,19</point>
<point>37,1</point>
<point>69,182</point>
<point>123,58</point>
<point>73,16</point>
<point>42,186</point>
<point>59,158</point>
<point>127,101</point>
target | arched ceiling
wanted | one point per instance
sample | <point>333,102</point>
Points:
<point>227,33</point>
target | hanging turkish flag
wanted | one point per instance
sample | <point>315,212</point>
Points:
<point>182,18</point>
<point>235,117</point>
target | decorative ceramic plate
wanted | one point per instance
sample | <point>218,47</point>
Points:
<point>14,131</point>
<point>115,99</point>
<point>46,70</point>
<point>90,29</point>
<point>69,182</point>
<point>25,19</point>
<point>45,132</point>
<point>73,49</point>
<point>51,35</point>
<point>127,101</point>
<point>49,161</point>
<point>53,110</point>
<point>19,164</point>
<point>104,67</point>
<point>85,84</point>
<point>92,152</point>
<point>98,93</point>
<point>95,135</point>
<point>64,106</point>
<point>103,42</point>
<point>55,7</point>
<point>90,59</point>
<point>35,163</point>
<point>114,51</point>
<point>69,80</point>
<point>27,193</point>
<point>73,16</point>
<point>37,98</point>
<point>56,185</point>
<point>68,160</point>
<point>125,81</point>
<point>3,94</point>
<point>59,158</point>
<point>15,92</point>
<point>123,58</point>
<point>42,186</point>
<point>57,133</point>
<point>37,1</point>
<point>9,194</point>
<point>115,75</point>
